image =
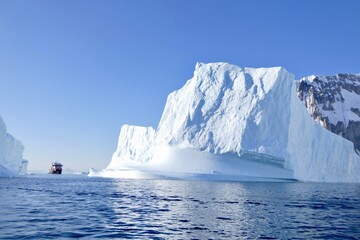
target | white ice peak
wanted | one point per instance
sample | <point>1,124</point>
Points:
<point>219,110</point>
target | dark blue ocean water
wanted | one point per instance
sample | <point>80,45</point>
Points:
<point>72,206</point>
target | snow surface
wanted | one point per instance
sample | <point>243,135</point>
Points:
<point>235,122</point>
<point>351,99</point>
<point>11,153</point>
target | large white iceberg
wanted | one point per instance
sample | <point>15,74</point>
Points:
<point>229,122</point>
<point>11,154</point>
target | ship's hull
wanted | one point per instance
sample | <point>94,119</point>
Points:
<point>58,171</point>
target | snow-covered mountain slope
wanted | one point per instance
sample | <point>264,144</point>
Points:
<point>334,102</point>
<point>11,153</point>
<point>228,120</point>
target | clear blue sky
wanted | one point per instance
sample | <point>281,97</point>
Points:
<point>72,72</point>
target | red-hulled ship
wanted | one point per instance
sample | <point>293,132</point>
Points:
<point>56,168</point>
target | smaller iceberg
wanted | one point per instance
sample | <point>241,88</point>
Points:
<point>11,154</point>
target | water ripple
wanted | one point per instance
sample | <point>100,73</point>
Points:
<point>42,207</point>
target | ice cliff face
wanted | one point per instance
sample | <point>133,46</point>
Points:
<point>11,153</point>
<point>133,146</point>
<point>334,102</point>
<point>225,110</point>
